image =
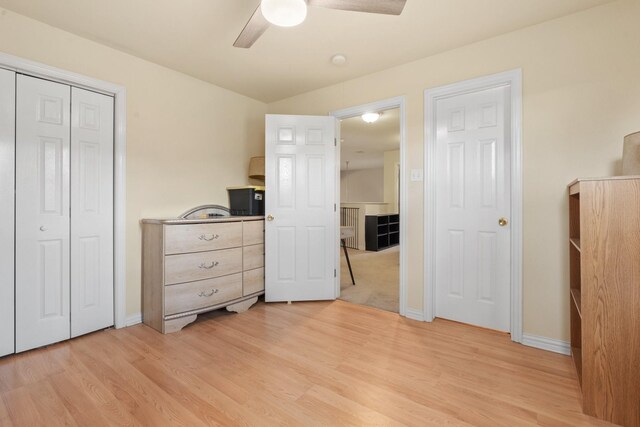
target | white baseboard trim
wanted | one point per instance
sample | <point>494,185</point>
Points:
<point>133,319</point>
<point>413,314</point>
<point>549,344</point>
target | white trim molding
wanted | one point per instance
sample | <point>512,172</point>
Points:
<point>133,319</point>
<point>119,93</point>
<point>388,104</point>
<point>513,81</point>
<point>548,344</point>
<point>413,314</point>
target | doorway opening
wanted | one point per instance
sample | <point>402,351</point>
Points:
<point>371,201</point>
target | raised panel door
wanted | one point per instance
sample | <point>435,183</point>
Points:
<point>473,190</point>
<point>91,211</point>
<point>301,235</point>
<point>42,212</point>
<point>7,156</point>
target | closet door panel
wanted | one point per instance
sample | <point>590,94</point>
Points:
<point>42,212</point>
<point>7,156</point>
<point>91,211</point>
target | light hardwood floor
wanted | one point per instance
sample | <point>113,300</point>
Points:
<point>319,363</point>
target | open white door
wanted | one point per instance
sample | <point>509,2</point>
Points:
<point>301,228</point>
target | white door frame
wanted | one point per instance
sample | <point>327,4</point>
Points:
<point>386,104</point>
<point>512,80</point>
<point>119,93</point>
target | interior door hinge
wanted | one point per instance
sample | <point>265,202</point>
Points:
<point>335,273</point>
<point>335,142</point>
<point>335,207</point>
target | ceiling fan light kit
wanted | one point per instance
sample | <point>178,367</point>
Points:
<point>284,13</point>
<point>370,117</point>
<point>289,13</point>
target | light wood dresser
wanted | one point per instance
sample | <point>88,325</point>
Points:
<point>604,257</point>
<point>191,266</point>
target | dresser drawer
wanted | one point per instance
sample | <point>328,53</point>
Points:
<point>201,294</point>
<point>253,232</point>
<point>253,281</point>
<point>201,265</point>
<point>201,237</point>
<point>253,257</point>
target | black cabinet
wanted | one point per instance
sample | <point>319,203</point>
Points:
<point>381,231</point>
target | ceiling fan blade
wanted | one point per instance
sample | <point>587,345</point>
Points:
<point>388,7</point>
<point>254,28</point>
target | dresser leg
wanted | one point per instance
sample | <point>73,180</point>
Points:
<point>242,306</point>
<point>175,325</point>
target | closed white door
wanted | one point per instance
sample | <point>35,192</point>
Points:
<point>473,207</point>
<point>301,232</point>
<point>91,211</point>
<point>42,212</point>
<point>7,144</point>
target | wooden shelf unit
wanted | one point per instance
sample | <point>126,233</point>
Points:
<point>381,231</point>
<point>604,289</point>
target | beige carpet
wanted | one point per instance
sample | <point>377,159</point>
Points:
<point>377,277</point>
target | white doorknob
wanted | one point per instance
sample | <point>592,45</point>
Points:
<point>43,228</point>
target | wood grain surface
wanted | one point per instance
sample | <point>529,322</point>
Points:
<point>253,281</point>
<point>202,237</point>
<point>304,364</point>
<point>189,296</point>
<point>252,257</point>
<point>252,232</point>
<point>201,265</point>
<point>153,275</point>
<point>610,293</point>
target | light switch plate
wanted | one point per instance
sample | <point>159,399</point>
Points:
<point>416,174</point>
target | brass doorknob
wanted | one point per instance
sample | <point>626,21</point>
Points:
<point>502,222</point>
<point>270,218</point>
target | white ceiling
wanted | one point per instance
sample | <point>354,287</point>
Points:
<point>363,144</point>
<point>196,36</point>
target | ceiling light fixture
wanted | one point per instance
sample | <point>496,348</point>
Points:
<point>338,59</point>
<point>370,117</point>
<point>284,13</point>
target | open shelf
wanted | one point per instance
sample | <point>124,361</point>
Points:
<point>574,189</point>
<point>575,278</point>
<point>575,242</point>
<point>577,300</point>
<point>576,354</point>
<point>381,231</point>
<point>394,238</point>
<point>603,297</point>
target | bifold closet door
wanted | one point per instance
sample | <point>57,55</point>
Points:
<point>42,225</point>
<point>91,211</point>
<point>7,156</point>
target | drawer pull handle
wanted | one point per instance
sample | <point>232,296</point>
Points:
<point>210,266</point>
<point>208,239</point>
<point>208,294</point>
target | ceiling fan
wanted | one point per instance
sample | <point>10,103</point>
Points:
<point>288,13</point>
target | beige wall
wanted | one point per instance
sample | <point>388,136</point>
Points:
<point>186,140</point>
<point>391,159</point>
<point>581,95</point>
<point>362,185</point>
